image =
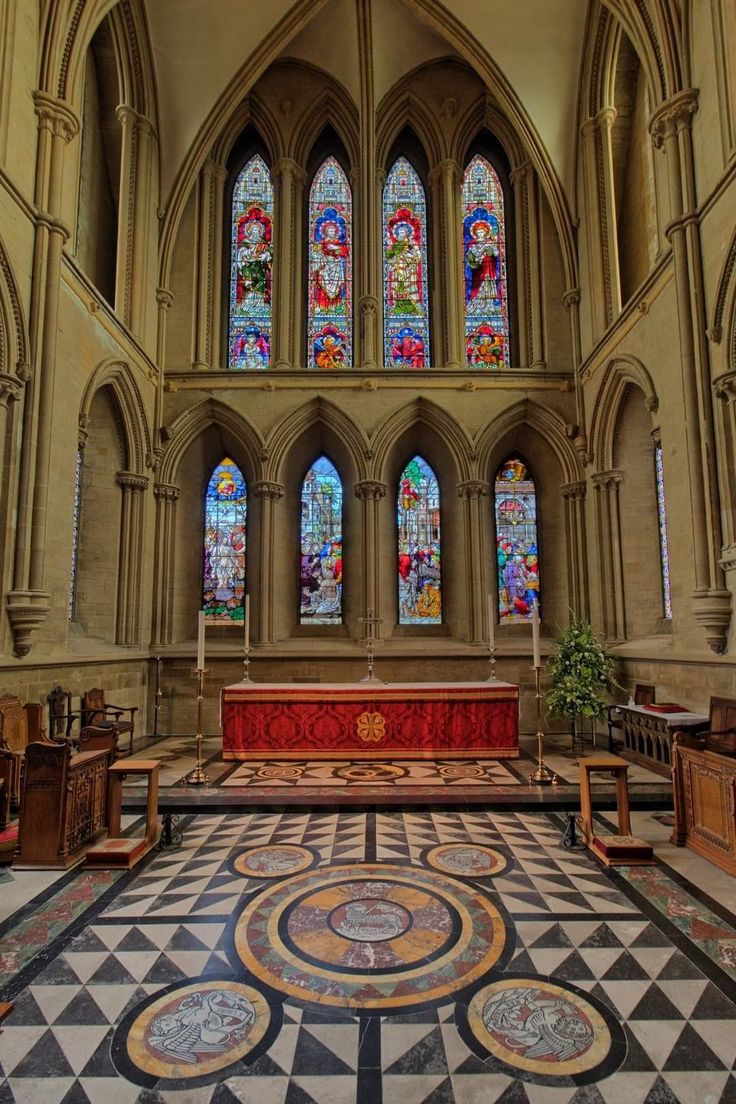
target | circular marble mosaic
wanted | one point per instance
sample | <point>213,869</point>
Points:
<point>462,770</point>
<point>285,773</point>
<point>196,1031</point>
<point>545,1030</point>
<point>369,936</point>
<point>466,860</point>
<point>370,772</point>
<point>273,860</point>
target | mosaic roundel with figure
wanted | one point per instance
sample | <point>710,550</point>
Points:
<point>546,1031</point>
<point>276,860</point>
<point>371,936</point>
<point>467,860</point>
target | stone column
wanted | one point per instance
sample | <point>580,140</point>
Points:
<point>670,127</point>
<point>269,493</point>
<point>286,351</point>
<point>724,388</point>
<point>471,492</point>
<point>164,564</point>
<point>607,198</point>
<point>529,290</point>
<point>369,270</point>
<point>164,299</point>
<point>596,222</point>
<point>610,562</point>
<point>370,492</point>
<point>448,295</point>
<point>577,552</point>
<point>571,300</point>
<point>204,267</point>
<point>27,603</point>
<point>127,622</point>
<point>218,358</point>
<point>135,229</point>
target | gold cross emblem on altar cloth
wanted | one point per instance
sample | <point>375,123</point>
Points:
<point>371,727</point>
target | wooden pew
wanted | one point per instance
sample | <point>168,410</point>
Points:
<point>20,725</point>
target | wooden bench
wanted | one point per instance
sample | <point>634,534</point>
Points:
<point>20,725</point>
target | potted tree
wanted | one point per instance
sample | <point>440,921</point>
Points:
<point>582,673</point>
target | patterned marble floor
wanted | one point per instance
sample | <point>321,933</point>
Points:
<point>327,958</point>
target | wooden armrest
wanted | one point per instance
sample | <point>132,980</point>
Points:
<point>122,708</point>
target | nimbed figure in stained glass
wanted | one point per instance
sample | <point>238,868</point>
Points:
<point>329,348</point>
<point>516,542</point>
<point>321,565</point>
<point>251,349</point>
<point>329,258</point>
<point>484,347</point>
<point>254,259</point>
<point>404,261</point>
<point>407,349</point>
<point>224,544</point>
<point>486,307</point>
<point>329,305</point>
<point>251,260</point>
<point>406,338</point>
<point>418,516</point>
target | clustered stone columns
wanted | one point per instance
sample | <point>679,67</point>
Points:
<point>471,492</point>
<point>370,492</point>
<point>528,267</point>
<point>577,552</point>
<point>286,343</point>
<point>611,568</point>
<point>166,495</point>
<point>130,555</point>
<point>670,128</point>
<point>571,300</point>
<point>600,210</point>
<point>135,231</point>
<point>269,492</point>
<point>27,603</point>
<point>724,388</point>
<point>164,299</point>
<point>448,294</point>
<point>368,276</point>
<point>208,266</point>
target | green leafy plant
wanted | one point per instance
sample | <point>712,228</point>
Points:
<point>582,672</point>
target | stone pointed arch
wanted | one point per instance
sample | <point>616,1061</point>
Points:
<point>318,412</point>
<point>133,423</point>
<point>14,346</point>
<point>400,108</point>
<point>618,374</point>
<point>254,112</point>
<point>333,107</point>
<point>425,413</point>
<point>529,414</point>
<point>185,429</point>
<point>486,116</point>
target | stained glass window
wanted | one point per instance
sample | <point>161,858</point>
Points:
<point>484,256</point>
<point>516,542</point>
<point>321,546</point>
<point>330,312</point>
<point>251,258</point>
<point>418,517</point>
<point>405,299</point>
<point>75,535</point>
<point>224,545</point>
<point>663,548</point>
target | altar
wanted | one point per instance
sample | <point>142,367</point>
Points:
<point>368,720</point>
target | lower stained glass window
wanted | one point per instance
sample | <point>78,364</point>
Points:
<point>224,545</point>
<point>321,546</point>
<point>418,517</point>
<point>516,542</point>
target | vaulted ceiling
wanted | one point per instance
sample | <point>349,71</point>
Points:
<point>202,49</point>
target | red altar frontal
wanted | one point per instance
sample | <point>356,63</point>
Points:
<point>369,720</point>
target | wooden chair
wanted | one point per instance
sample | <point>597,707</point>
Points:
<point>20,725</point>
<point>98,713</point>
<point>61,717</point>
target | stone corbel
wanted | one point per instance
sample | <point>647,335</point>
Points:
<point>712,611</point>
<point>27,611</point>
<point>10,389</point>
<point>724,387</point>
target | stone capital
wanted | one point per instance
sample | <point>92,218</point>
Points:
<point>521,173</point>
<point>287,167</point>
<point>606,117</point>
<point>82,431</point>
<point>607,479</point>
<point>10,388</point>
<point>55,116</point>
<point>166,492</point>
<point>446,169</point>
<point>370,489</point>
<point>268,488</point>
<point>724,387</point>
<point>673,115</point>
<point>27,611</point>
<point>368,305</point>
<point>131,481</point>
<point>574,491</point>
<point>571,298</point>
<point>472,489</point>
<point>164,298</point>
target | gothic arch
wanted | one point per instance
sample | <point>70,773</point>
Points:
<point>724,310</point>
<point>184,430</point>
<point>135,434</point>
<point>333,107</point>
<point>311,415</point>
<point>617,376</point>
<point>425,413</point>
<point>13,327</point>
<point>255,112</point>
<point>484,116</point>
<point>550,427</point>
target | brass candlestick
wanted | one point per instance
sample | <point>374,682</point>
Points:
<point>157,699</point>
<point>198,776</point>
<point>491,662</point>
<point>370,621</point>
<point>246,662</point>
<point>542,776</point>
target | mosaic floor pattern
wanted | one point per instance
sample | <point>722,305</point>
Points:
<point>424,957</point>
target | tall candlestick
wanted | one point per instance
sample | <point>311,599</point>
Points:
<point>200,641</point>
<point>491,622</point>
<point>246,623</point>
<point>535,638</point>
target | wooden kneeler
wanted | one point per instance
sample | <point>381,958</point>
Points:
<point>622,849</point>
<point>119,851</point>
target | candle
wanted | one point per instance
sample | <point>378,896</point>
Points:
<point>491,623</point>
<point>246,623</point>
<point>200,641</point>
<point>535,638</point>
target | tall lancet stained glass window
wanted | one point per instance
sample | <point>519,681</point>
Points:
<point>664,552</point>
<point>225,511</point>
<point>330,310</point>
<point>321,546</point>
<point>484,254</point>
<point>405,299</point>
<point>418,517</point>
<point>516,542</point>
<point>251,261</point>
